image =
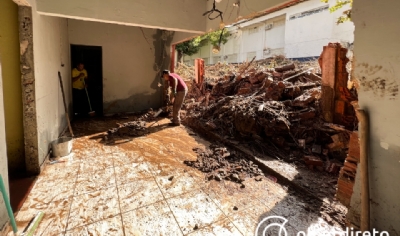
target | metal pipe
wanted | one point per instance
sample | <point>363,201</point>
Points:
<point>8,205</point>
<point>364,137</point>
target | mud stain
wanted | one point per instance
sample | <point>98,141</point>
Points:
<point>381,82</point>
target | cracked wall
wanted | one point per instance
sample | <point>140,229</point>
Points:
<point>132,61</point>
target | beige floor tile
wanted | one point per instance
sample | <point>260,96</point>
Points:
<point>131,172</point>
<point>126,158</point>
<point>228,196</point>
<point>55,216</point>
<point>97,162</point>
<point>268,197</point>
<point>223,227</point>
<point>244,222</point>
<point>60,171</point>
<point>194,210</point>
<point>166,167</point>
<point>176,184</point>
<point>93,181</point>
<point>138,194</point>
<point>154,219</point>
<point>108,227</point>
<point>258,210</point>
<point>47,190</point>
<point>94,206</point>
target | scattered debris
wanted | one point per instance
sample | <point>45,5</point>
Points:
<point>171,178</point>
<point>132,128</point>
<point>275,104</point>
<point>221,164</point>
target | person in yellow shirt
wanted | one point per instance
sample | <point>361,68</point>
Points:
<point>79,81</point>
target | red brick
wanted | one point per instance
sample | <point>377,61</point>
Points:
<point>313,161</point>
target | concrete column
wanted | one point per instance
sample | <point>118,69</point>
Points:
<point>28,89</point>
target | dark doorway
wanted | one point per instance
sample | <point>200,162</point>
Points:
<point>92,58</point>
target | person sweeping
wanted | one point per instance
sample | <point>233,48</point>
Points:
<point>79,79</point>
<point>179,91</point>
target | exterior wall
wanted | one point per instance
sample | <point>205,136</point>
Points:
<point>51,51</point>
<point>245,9</point>
<point>3,155</point>
<point>299,31</point>
<point>130,75</point>
<point>377,54</point>
<point>177,15</point>
<point>9,51</point>
<point>306,36</point>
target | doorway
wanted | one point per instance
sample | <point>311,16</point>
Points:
<point>92,58</point>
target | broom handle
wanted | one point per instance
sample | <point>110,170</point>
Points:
<point>8,206</point>
<point>87,95</point>
<point>65,105</point>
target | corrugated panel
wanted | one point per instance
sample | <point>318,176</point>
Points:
<point>216,59</point>
<point>252,39</point>
<point>250,55</point>
<point>231,58</point>
<point>233,44</point>
<point>275,37</point>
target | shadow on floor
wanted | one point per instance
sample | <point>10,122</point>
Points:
<point>20,187</point>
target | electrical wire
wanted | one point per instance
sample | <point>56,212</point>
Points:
<point>210,12</point>
<point>250,10</point>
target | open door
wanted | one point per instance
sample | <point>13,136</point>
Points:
<point>92,58</point>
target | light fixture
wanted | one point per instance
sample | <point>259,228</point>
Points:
<point>216,49</point>
<point>210,12</point>
<point>218,1</point>
<point>221,25</point>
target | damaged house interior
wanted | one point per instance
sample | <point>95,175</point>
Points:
<point>199,117</point>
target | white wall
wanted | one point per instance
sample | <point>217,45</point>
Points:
<point>129,74</point>
<point>177,15</point>
<point>51,49</point>
<point>247,8</point>
<point>295,33</point>
<point>377,56</point>
<point>3,155</point>
<point>306,36</point>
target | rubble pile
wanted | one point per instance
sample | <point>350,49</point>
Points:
<point>276,108</point>
<point>132,128</point>
<point>220,164</point>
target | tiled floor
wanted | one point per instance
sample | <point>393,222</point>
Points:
<point>142,187</point>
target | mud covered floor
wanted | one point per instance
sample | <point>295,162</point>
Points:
<point>141,186</point>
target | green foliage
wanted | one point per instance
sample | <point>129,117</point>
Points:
<point>193,46</point>
<point>338,5</point>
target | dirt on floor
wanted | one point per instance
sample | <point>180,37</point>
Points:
<point>219,162</point>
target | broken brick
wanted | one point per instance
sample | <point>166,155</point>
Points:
<point>313,161</point>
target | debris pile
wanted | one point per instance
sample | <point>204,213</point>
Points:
<point>220,164</point>
<point>132,128</point>
<point>277,109</point>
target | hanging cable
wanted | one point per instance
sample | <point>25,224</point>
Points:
<point>210,12</point>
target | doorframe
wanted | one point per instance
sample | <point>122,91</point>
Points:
<point>101,70</point>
